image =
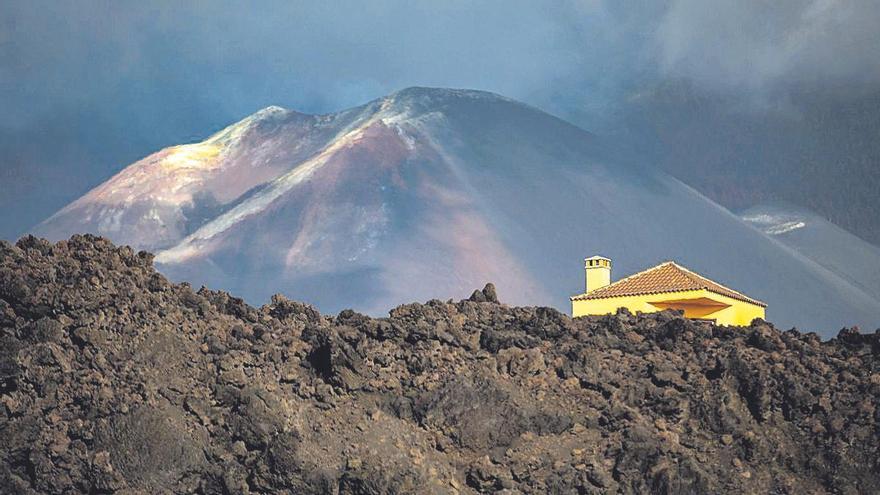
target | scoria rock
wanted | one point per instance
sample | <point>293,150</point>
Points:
<point>114,379</point>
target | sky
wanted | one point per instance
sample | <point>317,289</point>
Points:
<point>88,87</point>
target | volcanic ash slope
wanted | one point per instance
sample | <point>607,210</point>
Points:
<point>428,193</point>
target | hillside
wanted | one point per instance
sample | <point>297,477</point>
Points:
<point>114,379</point>
<point>813,147</point>
<point>821,241</point>
<point>427,193</point>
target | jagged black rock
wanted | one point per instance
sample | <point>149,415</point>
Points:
<point>114,379</point>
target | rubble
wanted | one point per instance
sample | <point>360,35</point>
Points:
<point>113,379</point>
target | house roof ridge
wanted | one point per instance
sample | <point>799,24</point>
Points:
<point>624,279</point>
<point>694,281</point>
<point>709,281</point>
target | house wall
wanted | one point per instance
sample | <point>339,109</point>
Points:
<point>735,312</point>
<point>738,313</point>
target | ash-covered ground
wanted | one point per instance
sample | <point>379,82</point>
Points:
<point>113,380</point>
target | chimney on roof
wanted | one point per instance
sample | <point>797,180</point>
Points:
<point>598,272</point>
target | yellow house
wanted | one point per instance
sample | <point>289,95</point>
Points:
<point>666,286</point>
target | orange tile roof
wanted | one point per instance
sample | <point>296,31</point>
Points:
<point>665,277</point>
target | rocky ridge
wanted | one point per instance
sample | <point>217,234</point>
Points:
<point>114,380</point>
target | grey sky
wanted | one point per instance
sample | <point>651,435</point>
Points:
<point>87,87</point>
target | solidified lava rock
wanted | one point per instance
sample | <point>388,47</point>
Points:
<point>112,379</point>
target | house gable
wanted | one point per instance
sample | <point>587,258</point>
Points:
<point>663,278</point>
<point>671,286</point>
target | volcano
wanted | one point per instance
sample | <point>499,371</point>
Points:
<point>427,193</point>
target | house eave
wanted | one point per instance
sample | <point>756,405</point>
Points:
<point>587,297</point>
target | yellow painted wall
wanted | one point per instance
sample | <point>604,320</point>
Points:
<point>738,313</point>
<point>733,311</point>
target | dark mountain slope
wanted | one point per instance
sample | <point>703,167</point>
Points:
<point>113,379</point>
<point>821,241</point>
<point>813,147</point>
